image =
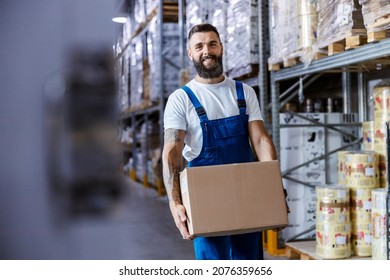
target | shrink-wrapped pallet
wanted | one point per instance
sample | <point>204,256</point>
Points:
<point>338,20</point>
<point>136,74</point>
<point>375,14</point>
<point>284,25</point>
<point>242,38</point>
<point>294,29</point>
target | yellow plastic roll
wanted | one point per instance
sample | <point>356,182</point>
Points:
<point>333,228</point>
<point>341,166</point>
<point>379,224</point>
<point>368,136</point>
<point>362,169</point>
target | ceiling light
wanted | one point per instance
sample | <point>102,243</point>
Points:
<point>119,19</point>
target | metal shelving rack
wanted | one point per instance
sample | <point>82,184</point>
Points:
<point>135,117</point>
<point>344,63</point>
<point>353,60</point>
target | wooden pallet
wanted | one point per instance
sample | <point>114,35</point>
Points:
<point>375,36</point>
<point>375,33</point>
<point>306,250</point>
<point>355,41</point>
<point>301,250</point>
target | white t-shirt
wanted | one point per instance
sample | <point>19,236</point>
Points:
<point>218,100</point>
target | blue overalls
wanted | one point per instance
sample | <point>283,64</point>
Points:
<point>225,141</point>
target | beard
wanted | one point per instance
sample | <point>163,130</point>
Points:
<point>214,71</point>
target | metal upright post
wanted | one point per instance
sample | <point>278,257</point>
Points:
<point>275,112</point>
<point>161,70</point>
<point>346,84</point>
<point>263,56</point>
<point>182,47</point>
<point>362,94</point>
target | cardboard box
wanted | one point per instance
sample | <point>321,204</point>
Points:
<point>233,198</point>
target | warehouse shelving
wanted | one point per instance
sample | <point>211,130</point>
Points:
<point>165,11</point>
<point>362,60</point>
<point>348,61</point>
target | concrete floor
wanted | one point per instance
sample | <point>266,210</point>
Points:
<point>152,233</point>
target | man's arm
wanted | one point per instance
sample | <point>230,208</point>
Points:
<point>172,164</point>
<point>261,141</point>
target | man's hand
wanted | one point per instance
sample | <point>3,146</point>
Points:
<point>179,215</point>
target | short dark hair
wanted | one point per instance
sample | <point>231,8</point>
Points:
<point>203,27</point>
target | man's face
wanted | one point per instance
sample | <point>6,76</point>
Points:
<point>205,51</point>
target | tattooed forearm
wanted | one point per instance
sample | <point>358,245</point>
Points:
<point>172,161</point>
<point>172,135</point>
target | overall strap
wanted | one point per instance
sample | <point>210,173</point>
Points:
<point>241,98</point>
<point>198,107</point>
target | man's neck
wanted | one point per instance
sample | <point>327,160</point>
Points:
<point>209,81</point>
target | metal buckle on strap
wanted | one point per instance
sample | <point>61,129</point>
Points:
<point>241,103</point>
<point>200,111</point>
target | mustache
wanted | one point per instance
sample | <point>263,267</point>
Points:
<point>208,57</point>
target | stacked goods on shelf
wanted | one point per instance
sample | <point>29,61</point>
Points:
<point>307,27</point>
<point>123,81</point>
<point>242,38</point>
<point>150,5</point>
<point>375,15</point>
<point>333,226</point>
<point>340,23</point>
<point>171,60</point>
<point>303,144</point>
<point>362,175</point>
<point>123,37</point>
<point>379,224</point>
<point>200,11</point>
<point>123,67</point>
<point>283,25</point>
<point>137,91</point>
<point>294,28</point>
<point>139,14</point>
<point>381,96</point>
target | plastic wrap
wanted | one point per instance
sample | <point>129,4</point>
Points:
<point>136,74</point>
<point>242,38</point>
<point>337,20</point>
<point>293,27</point>
<point>139,12</point>
<point>375,13</point>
